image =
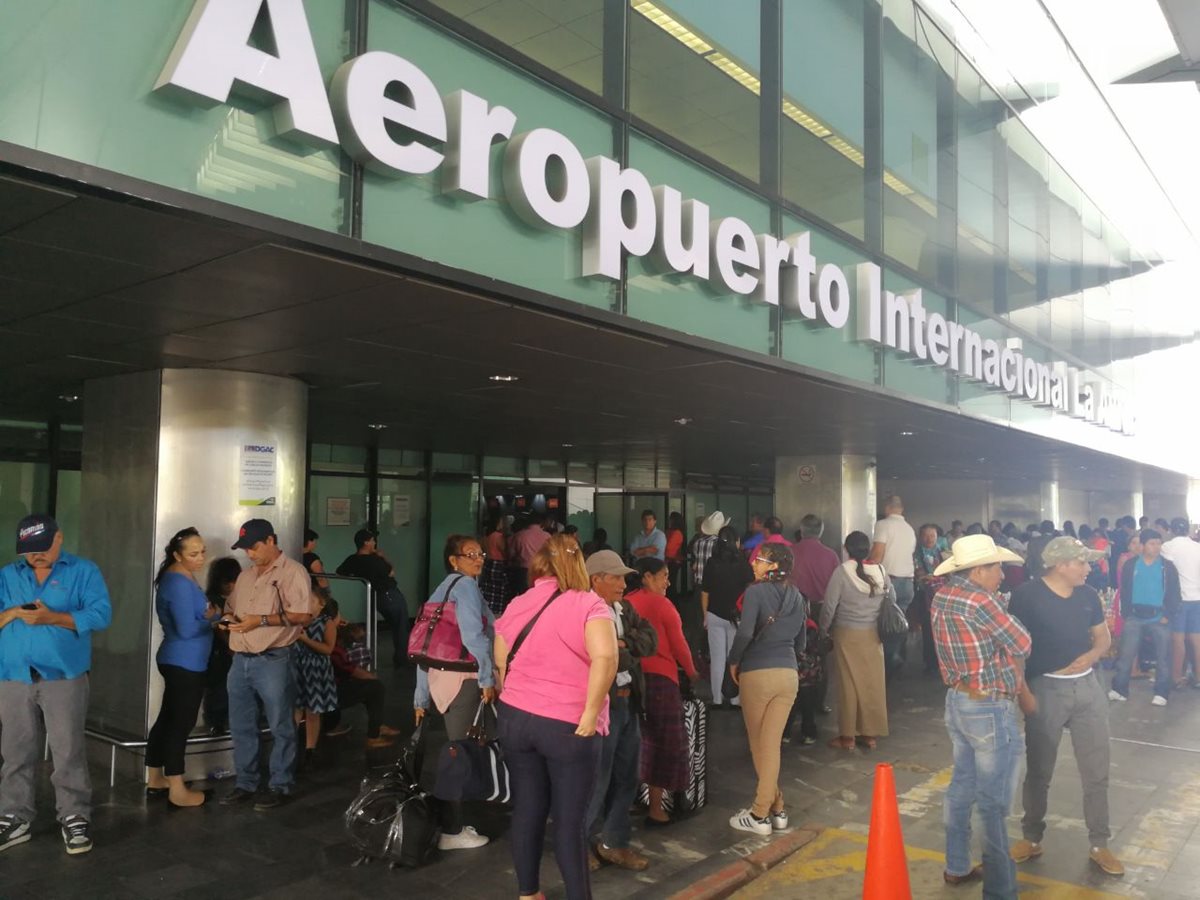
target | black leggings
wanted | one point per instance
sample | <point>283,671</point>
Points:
<point>167,742</point>
<point>553,773</point>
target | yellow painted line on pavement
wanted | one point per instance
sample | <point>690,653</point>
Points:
<point>827,858</point>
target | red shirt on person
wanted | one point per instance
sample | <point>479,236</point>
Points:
<point>672,652</point>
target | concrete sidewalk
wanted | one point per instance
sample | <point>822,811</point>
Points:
<point>144,851</point>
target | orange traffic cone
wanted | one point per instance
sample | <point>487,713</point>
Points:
<point>887,869</point>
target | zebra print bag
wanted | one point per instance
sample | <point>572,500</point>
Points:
<point>695,725</point>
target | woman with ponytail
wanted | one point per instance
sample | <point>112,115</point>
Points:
<point>187,621</point>
<point>853,599</point>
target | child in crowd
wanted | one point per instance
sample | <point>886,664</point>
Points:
<point>812,672</point>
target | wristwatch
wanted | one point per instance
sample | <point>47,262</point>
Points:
<point>263,622</point>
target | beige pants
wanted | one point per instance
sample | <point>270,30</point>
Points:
<point>767,697</point>
<point>862,690</point>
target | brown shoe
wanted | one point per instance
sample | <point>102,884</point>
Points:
<point>623,857</point>
<point>1109,864</point>
<point>975,874</point>
<point>593,863</point>
<point>1023,851</point>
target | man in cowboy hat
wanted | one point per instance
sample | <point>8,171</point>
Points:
<point>1065,618</point>
<point>699,553</point>
<point>981,651</point>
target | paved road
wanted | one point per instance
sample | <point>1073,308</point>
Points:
<point>144,851</point>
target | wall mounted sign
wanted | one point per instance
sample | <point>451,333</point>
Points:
<point>256,483</point>
<point>549,184</point>
<point>337,511</point>
<point>807,474</point>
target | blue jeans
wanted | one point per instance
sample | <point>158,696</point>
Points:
<point>267,677</point>
<point>617,777</point>
<point>988,747</point>
<point>1131,639</point>
<point>895,650</point>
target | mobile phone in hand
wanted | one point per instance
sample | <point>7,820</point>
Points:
<point>29,606</point>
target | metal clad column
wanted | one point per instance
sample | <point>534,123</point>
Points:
<point>162,451</point>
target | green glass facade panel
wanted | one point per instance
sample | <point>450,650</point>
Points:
<point>694,74</point>
<point>404,536</point>
<point>453,509</point>
<point>401,462</point>
<point>905,372</point>
<point>338,457</point>
<point>77,81</point>
<point>610,475</point>
<point>337,540</point>
<point>67,504</point>
<point>24,490</point>
<point>463,463</point>
<point>411,214</point>
<point>563,35</point>
<point>979,116</point>
<point>736,506</point>
<point>609,516</point>
<point>507,467</point>
<point>547,470</point>
<point>832,350</point>
<point>822,123</point>
<point>974,397</point>
<point>698,504</point>
<point>581,511</point>
<point>682,302</point>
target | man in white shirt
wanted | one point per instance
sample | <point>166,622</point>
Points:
<point>1184,553</point>
<point>895,542</point>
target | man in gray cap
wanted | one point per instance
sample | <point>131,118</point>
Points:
<point>50,603</point>
<point>1065,619</point>
<point>617,777</point>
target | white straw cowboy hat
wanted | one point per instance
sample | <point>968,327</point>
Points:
<point>975,550</point>
<point>714,523</point>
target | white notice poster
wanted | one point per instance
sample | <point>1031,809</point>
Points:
<point>337,511</point>
<point>401,514</point>
<point>256,482</point>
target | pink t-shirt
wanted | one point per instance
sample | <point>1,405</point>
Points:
<point>550,673</point>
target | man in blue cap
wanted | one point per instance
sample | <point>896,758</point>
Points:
<point>269,607</point>
<point>50,603</point>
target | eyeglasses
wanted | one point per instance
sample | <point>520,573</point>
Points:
<point>475,554</point>
<point>763,559</point>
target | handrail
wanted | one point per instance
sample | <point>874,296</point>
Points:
<point>372,610</point>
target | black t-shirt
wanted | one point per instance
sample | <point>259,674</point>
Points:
<point>309,559</point>
<point>1060,627</point>
<point>375,569</point>
<point>725,580</point>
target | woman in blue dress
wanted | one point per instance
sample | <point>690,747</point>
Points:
<point>187,621</point>
<point>315,683</point>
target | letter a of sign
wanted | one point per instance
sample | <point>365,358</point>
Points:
<point>213,57</point>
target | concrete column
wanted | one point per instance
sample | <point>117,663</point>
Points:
<point>1050,507</point>
<point>162,451</point>
<point>839,489</point>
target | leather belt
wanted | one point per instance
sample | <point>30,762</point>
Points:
<point>980,695</point>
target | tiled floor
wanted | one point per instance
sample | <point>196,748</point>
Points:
<point>145,851</point>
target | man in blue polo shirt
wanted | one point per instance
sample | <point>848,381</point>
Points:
<point>50,603</point>
<point>650,541</point>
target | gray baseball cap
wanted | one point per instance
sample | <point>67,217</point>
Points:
<point>606,562</point>
<point>1069,549</point>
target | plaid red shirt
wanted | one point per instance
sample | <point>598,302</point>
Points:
<point>976,639</point>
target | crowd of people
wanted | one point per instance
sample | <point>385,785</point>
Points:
<point>582,661</point>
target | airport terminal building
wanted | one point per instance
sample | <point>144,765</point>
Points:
<point>349,262</point>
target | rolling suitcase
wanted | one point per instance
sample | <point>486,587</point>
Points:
<point>695,725</point>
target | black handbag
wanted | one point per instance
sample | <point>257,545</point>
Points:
<point>891,622</point>
<point>472,768</point>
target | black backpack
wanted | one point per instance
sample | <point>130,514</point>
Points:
<point>392,819</point>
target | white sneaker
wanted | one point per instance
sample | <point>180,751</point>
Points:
<point>1120,698</point>
<point>13,831</point>
<point>1159,700</point>
<point>467,839</point>
<point>747,821</point>
<point>779,820</point>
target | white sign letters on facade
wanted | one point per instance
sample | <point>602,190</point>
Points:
<point>549,184</point>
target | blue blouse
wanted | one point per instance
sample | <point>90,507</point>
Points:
<point>477,636</point>
<point>187,634</point>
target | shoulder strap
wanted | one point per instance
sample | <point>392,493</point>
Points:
<point>525,631</point>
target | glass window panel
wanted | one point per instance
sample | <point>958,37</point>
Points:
<point>736,506</point>
<point>694,73</point>
<point>454,509</point>
<point>338,458</point>
<point>974,397</point>
<point>563,35</point>
<point>981,114</point>
<point>454,462</point>
<point>905,372</point>
<point>832,350</point>
<point>581,473</point>
<point>504,467</point>
<point>821,132</point>
<point>24,490</point>
<point>401,462</point>
<point>77,80</point>
<point>337,540</point>
<point>547,469</point>
<point>1028,217</point>
<point>916,57</point>
<point>610,475</point>
<point>66,509</point>
<point>403,536</point>
<point>682,302</point>
<point>639,475</point>
<point>412,215</point>
<point>581,511</point>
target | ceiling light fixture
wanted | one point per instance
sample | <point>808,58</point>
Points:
<point>683,420</point>
<point>68,398</point>
<point>568,446</point>
<point>504,379</point>
<point>376,426</point>
<point>907,433</point>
